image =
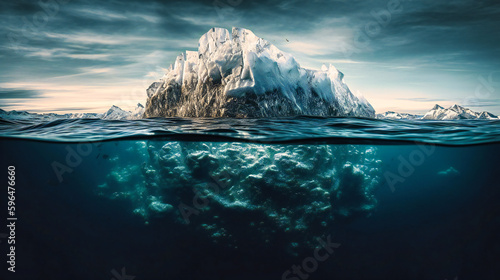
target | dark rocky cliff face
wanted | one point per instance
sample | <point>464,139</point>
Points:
<point>209,101</point>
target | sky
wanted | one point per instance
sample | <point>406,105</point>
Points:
<point>402,55</point>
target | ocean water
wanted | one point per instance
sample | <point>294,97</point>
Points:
<point>293,198</point>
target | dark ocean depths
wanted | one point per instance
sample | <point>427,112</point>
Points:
<point>299,198</point>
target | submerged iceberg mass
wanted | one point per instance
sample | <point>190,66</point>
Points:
<point>225,192</point>
<point>237,74</point>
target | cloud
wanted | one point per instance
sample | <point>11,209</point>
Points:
<point>480,104</point>
<point>422,99</point>
<point>8,93</point>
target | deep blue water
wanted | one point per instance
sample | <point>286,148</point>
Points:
<point>396,199</point>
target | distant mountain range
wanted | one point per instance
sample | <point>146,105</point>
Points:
<point>455,112</point>
<point>390,115</point>
<point>114,113</point>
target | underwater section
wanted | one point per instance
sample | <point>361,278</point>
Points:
<point>227,191</point>
<point>233,210</point>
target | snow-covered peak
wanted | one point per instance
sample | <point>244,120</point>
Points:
<point>457,108</point>
<point>333,73</point>
<point>138,112</point>
<point>464,112</point>
<point>437,107</point>
<point>116,113</point>
<point>455,112</point>
<point>487,116</point>
<point>238,74</point>
<point>436,113</point>
<point>390,115</point>
<point>213,40</point>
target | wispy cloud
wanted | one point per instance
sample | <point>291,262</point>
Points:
<point>421,99</point>
<point>9,93</point>
<point>478,103</point>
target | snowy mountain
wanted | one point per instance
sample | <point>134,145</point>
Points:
<point>390,115</point>
<point>137,113</point>
<point>24,115</point>
<point>85,116</point>
<point>237,74</point>
<point>455,112</point>
<point>487,116</point>
<point>114,113</point>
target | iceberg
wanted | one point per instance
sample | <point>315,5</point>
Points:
<point>227,191</point>
<point>237,74</point>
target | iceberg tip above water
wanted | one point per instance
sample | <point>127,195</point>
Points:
<point>238,74</point>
